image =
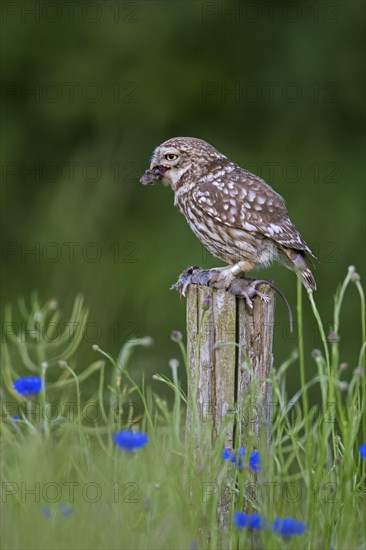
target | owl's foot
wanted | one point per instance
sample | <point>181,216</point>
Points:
<point>220,278</point>
<point>193,275</point>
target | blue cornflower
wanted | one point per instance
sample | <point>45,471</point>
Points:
<point>234,455</point>
<point>66,509</point>
<point>28,385</point>
<point>129,440</point>
<point>255,461</point>
<point>252,521</point>
<point>362,448</point>
<point>226,453</point>
<point>288,527</point>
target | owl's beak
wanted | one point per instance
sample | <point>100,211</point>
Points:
<point>154,174</point>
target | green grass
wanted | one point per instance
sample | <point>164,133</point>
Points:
<point>166,494</point>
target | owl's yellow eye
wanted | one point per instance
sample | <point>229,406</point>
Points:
<point>171,156</point>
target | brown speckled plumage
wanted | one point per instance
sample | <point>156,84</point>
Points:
<point>234,213</point>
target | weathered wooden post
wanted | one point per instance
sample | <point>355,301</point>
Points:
<point>229,350</point>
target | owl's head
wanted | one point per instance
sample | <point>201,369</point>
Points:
<point>179,156</point>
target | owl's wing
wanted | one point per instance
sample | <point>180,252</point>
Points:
<point>242,200</point>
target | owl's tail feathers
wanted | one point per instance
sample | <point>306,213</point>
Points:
<point>307,279</point>
<point>298,264</point>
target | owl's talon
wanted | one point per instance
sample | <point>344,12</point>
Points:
<point>239,286</point>
<point>220,278</point>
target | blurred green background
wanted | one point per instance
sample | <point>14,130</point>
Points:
<point>90,88</point>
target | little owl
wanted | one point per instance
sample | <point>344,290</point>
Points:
<point>235,214</point>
